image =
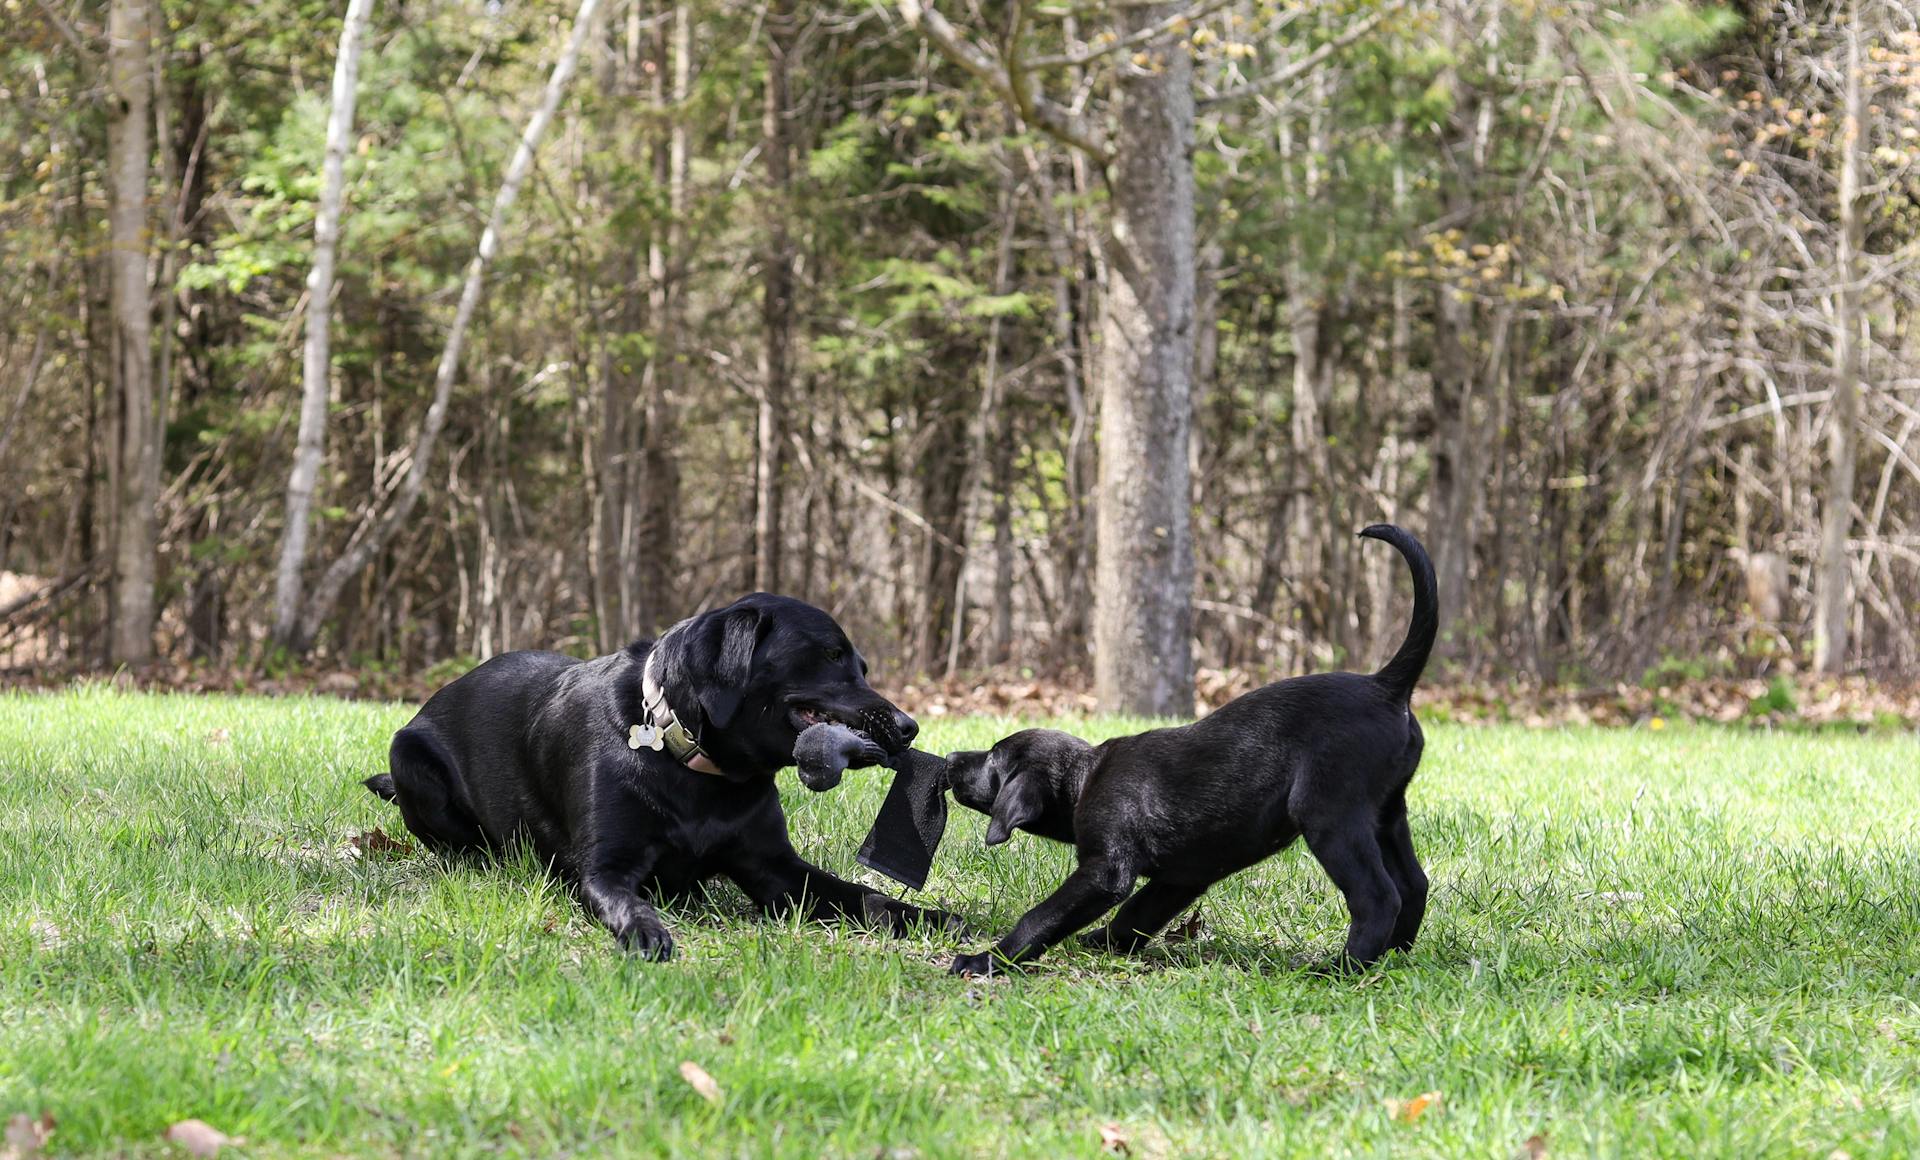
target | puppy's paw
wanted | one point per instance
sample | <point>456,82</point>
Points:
<point>647,940</point>
<point>1339,966</point>
<point>1101,940</point>
<point>986,964</point>
<point>978,966</point>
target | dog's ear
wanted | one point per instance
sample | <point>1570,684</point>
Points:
<point>1018,802</point>
<point>734,642</point>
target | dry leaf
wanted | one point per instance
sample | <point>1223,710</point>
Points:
<point>703,1083</point>
<point>377,843</point>
<point>218,736</point>
<point>1532,1148</point>
<point>27,1135</point>
<point>199,1138</point>
<point>1113,1138</point>
<point>1410,1111</point>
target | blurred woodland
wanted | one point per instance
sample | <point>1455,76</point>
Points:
<point>1048,335</point>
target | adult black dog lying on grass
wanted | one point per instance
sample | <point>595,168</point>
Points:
<point>638,775</point>
<point>1327,756</point>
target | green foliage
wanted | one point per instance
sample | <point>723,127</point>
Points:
<point>1780,699</point>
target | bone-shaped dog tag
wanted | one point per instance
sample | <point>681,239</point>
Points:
<point>645,737</point>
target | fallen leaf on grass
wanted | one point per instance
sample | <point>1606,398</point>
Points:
<point>1410,1111</point>
<point>377,843</point>
<point>1532,1148</point>
<point>1113,1138</point>
<point>218,736</point>
<point>703,1083</point>
<point>27,1135</point>
<point>199,1138</point>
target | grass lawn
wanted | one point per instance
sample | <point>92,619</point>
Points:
<point>1688,942</point>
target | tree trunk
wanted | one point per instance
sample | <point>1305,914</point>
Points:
<point>1143,586</point>
<point>1306,293</point>
<point>616,462</point>
<point>372,537</point>
<point>1832,602</point>
<point>776,308</point>
<point>129,130</point>
<point>659,477</point>
<point>317,364</point>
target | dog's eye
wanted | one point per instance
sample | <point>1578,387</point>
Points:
<point>834,655</point>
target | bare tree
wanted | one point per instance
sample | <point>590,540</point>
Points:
<point>1143,566</point>
<point>777,309</point>
<point>1143,569</point>
<point>658,480</point>
<point>372,535</point>
<point>1832,603</point>
<point>316,364</point>
<point>136,522</point>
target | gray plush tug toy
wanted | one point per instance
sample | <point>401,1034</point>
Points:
<point>908,828</point>
<point>829,749</point>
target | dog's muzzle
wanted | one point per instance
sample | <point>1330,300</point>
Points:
<point>893,730</point>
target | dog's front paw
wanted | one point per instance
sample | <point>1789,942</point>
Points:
<point>900,919</point>
<point>648,940</point>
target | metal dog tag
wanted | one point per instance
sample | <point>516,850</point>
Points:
<point>645,737</point>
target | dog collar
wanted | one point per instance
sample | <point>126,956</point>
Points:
<point>660,728</point>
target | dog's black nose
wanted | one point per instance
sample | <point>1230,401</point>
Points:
<point>907,726</point>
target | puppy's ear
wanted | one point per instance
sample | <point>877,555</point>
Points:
<point>737,637</point>
<point>1017,803</point>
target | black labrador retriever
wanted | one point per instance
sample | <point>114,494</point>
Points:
<point>1328,756</point>
<point>640,774</point>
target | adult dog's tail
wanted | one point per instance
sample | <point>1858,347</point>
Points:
<point>1401,673</point>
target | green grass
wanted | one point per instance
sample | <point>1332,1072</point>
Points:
<point>1689,942</point>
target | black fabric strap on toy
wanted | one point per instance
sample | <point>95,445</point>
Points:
<point>908,828</point>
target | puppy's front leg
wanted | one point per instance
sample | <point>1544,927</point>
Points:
<point>1097,886</point>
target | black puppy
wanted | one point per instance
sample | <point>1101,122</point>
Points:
<point>1328,756</point>
<point>638,775</point>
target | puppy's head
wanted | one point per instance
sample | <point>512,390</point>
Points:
<point>1028,781</point>
<point>761,671</point>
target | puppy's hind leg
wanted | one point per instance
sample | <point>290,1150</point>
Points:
<point>1350,854</point>
<point>1396,849</point>
<point>1142,916</point>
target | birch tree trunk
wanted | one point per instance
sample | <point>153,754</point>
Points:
<point>1143,568</point>
<point>1832,601</point>
<point>777,308</point>
<point>129,131</point>
<point>372,536</point>
<point>317,362</point>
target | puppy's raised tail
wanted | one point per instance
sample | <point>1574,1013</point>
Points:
<point>1402,672</point>
<point>381,785</point>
